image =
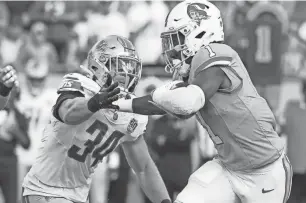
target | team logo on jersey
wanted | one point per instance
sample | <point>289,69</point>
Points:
<point>132,125</point>
<point>197,12</point>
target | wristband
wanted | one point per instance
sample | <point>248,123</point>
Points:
<point>125,105</point>
<point>4,90</point>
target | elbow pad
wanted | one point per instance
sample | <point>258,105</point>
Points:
<point>179,98</point>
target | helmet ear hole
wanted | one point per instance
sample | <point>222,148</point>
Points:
<point>200,35</point>
<point>94,68</point>
<point>94,78</point>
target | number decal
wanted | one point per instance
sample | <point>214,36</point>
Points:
<point>210,51</point>
<point>107,147</point>
<point>90,146</point>
<point>263,53</point>
<point>67,84</point>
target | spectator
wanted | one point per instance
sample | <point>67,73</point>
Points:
<point>35,102</point>
<point>4,15</point>
<point>37,48</point>
<point>11,40</point>
<point>237,34</point>
<point>20,10</point>
<point>13,131</point>
<point>147,28</point>
<point>101,20</point>
<point>60,16</point>
<point>73,59</point>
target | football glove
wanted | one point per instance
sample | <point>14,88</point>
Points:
<point>8,79</point>
<point>104,98</point>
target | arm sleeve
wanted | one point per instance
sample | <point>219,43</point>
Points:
<point>62,97</point>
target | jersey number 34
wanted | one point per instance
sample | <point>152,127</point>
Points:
<point>98,153</point>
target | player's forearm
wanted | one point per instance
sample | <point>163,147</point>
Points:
<point>3,102</point>
<point>152,184</point>
<point>141,105</point>
<point>75,111</point>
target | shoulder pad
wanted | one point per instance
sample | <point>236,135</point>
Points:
<point>79,83</point>
<point>211,55</point>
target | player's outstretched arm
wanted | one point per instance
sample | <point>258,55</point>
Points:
<point>8,79</point>
<point>73,108</point>
<point>147,174</point>
<point>176,98</point>
<point>140,105</point>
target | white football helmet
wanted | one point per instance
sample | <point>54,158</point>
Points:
<point>114,58</point>
<point>189,26</point>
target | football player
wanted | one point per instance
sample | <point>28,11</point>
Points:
<point>8,79</point>
<point>82,131</point>
<point>251,165</point>
<point>267,31</point>
<point>35,101</point>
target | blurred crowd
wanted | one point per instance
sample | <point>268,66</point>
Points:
<point>45,39</point>
<point>60,33</point>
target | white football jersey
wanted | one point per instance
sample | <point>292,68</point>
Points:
<point>38,110</point>
<point>70,153</point>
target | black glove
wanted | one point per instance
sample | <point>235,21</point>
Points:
<point>8,79</point>
<point>104,99</point>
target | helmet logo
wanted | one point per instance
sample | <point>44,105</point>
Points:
<point>198,12</point>
<point>102,46</point>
